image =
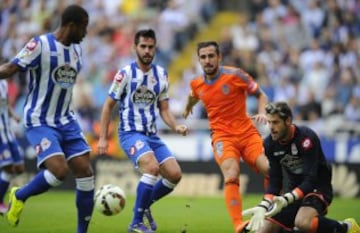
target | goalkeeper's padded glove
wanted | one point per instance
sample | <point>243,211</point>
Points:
<point>280,202</point>
<point>258,215</point>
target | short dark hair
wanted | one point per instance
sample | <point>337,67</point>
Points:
<point>281,108</point>
<point>205,44</point>
<point>146,33</point>
<point>73,14</point>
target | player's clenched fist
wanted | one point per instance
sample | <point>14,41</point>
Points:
<point>181,129</point>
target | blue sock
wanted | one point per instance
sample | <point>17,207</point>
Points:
<point>4,185</point>
<point>84,204</point>
<point>36,186</point>
<point>143,199</point>
<point>161,188</point>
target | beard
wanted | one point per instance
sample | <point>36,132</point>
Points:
<point>145,60</point>
<point>210,71</point>
<point>280,135</point>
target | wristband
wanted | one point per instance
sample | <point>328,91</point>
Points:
<point>265,203</point>
<point>292,196</point>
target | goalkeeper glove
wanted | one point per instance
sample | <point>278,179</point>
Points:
<point>258,215</point>
<point>281,202</point>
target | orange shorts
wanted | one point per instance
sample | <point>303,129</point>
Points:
<point>248,147</point>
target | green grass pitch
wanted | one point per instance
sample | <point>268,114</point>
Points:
<point>54,212</point>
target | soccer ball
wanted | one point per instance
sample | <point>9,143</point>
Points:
<point>110,199</point>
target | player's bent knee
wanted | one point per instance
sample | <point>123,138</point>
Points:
<point>152,169</point>
<point>175,178</point>
<point>85,172</point>
<point>60,172</point>
<point>303,224</point>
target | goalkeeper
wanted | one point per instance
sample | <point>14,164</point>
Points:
<point>295,153</point>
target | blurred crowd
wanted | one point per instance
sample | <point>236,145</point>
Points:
<point>306,52</point>
<point>109,40</point>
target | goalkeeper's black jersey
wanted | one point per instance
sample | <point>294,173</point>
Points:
<point>301,161</point>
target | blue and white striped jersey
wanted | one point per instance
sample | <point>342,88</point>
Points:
<point>138,94</point>
<point>51,69</point>
<point>6,134</point>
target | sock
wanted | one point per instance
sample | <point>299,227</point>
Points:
<point>143,196</point>
<point>233,201</point>
<point>161,188</point>
<point>41,183</point>
<point>314,225</point>
<point>4,184</point>
<point>84,202</point>
<point>322,224</point>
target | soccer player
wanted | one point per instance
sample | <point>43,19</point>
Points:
<point>11,156</point>
<point>295,152</point>
<point>223,91</point>
<point>51,62</point>
<point>141,89</point>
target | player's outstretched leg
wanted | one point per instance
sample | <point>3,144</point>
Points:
<point>150,220</point>
<point>15,208</point>
<point>353,227</point>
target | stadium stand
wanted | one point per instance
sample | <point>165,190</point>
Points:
<point>306,52</point>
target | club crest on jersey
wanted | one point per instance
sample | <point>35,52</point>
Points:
<point>225,89</point>
<point>153,80</point>
<point>143,97</point>
<point>293,163</point>
<point>65,76</point>
<point>306,143</point>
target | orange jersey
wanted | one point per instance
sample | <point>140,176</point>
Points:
<point>225,100</point>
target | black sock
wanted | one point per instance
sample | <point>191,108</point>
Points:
<point>327,225</point>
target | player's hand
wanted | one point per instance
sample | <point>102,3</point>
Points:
<point>258,217</point>
<point>102,146</point>
<point>259,118</point>
<point>279,203</point>
<point>181,129</point>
